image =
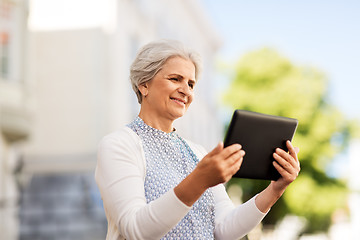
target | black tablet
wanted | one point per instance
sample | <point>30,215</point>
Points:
<point>259,135</point>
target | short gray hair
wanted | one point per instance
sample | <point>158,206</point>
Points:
<point>151,57</point>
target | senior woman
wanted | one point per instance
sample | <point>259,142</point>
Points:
<point>157,185</point>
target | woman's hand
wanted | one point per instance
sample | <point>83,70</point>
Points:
<point>220,164</point>
<point>288,165</point>
<point>216,167</point>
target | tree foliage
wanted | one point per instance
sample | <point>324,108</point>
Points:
<point>266,82</point>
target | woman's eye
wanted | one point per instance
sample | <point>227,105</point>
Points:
<point>174,79</point>
<point>191,85</point>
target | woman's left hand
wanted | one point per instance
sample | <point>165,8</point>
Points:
<point>288,165</point>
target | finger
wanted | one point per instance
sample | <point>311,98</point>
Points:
<point>230,150</point>
<point>283,172</point>
<point>291,149</point>
<point>287,157</point>
<point>234,158</point>
<point>293,152</point>
<point>288,176</point>
<point>234,162</point>
<point>289,166</point>
<point>235,167</point>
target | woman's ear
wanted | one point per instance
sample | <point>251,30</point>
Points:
<point>143,88</point>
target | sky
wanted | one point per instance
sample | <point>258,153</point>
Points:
<point>323,34</point>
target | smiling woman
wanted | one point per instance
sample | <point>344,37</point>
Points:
<point>146,170</point>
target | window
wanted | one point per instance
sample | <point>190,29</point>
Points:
<point>4,55</point>
<point>12,23</point>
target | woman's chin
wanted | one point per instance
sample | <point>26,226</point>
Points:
<point>178,114</point>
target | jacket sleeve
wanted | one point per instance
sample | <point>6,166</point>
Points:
<point>234,222</point>
<point>120,177</point>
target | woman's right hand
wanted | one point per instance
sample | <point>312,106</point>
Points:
<point>218,166</point>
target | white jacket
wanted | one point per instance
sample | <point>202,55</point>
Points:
<point>120,174</point>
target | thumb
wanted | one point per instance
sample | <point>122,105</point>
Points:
<point>219,147</point>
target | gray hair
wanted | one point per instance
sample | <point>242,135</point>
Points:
<point>151,58</point>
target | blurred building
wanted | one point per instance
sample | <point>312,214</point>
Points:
<point>15,109</point>
<point>79,57</point>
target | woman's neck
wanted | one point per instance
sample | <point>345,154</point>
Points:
<point>155,121</point>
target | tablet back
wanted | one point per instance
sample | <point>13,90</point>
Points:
<point>259,134</point>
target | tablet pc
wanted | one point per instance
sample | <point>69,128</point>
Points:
<point>259,135</point>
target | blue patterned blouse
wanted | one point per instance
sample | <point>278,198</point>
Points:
<point>169,160</point>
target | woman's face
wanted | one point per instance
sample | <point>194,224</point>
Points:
<point>171,91</point>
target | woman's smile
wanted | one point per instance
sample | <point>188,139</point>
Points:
<point>179,101</point>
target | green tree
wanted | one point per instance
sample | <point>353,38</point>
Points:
<point>266,82</point>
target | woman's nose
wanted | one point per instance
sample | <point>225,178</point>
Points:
<point>185,88</point>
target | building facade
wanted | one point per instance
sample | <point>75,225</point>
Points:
<point>15,110</point>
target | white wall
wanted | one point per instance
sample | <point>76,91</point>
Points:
<point>69,111</point>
